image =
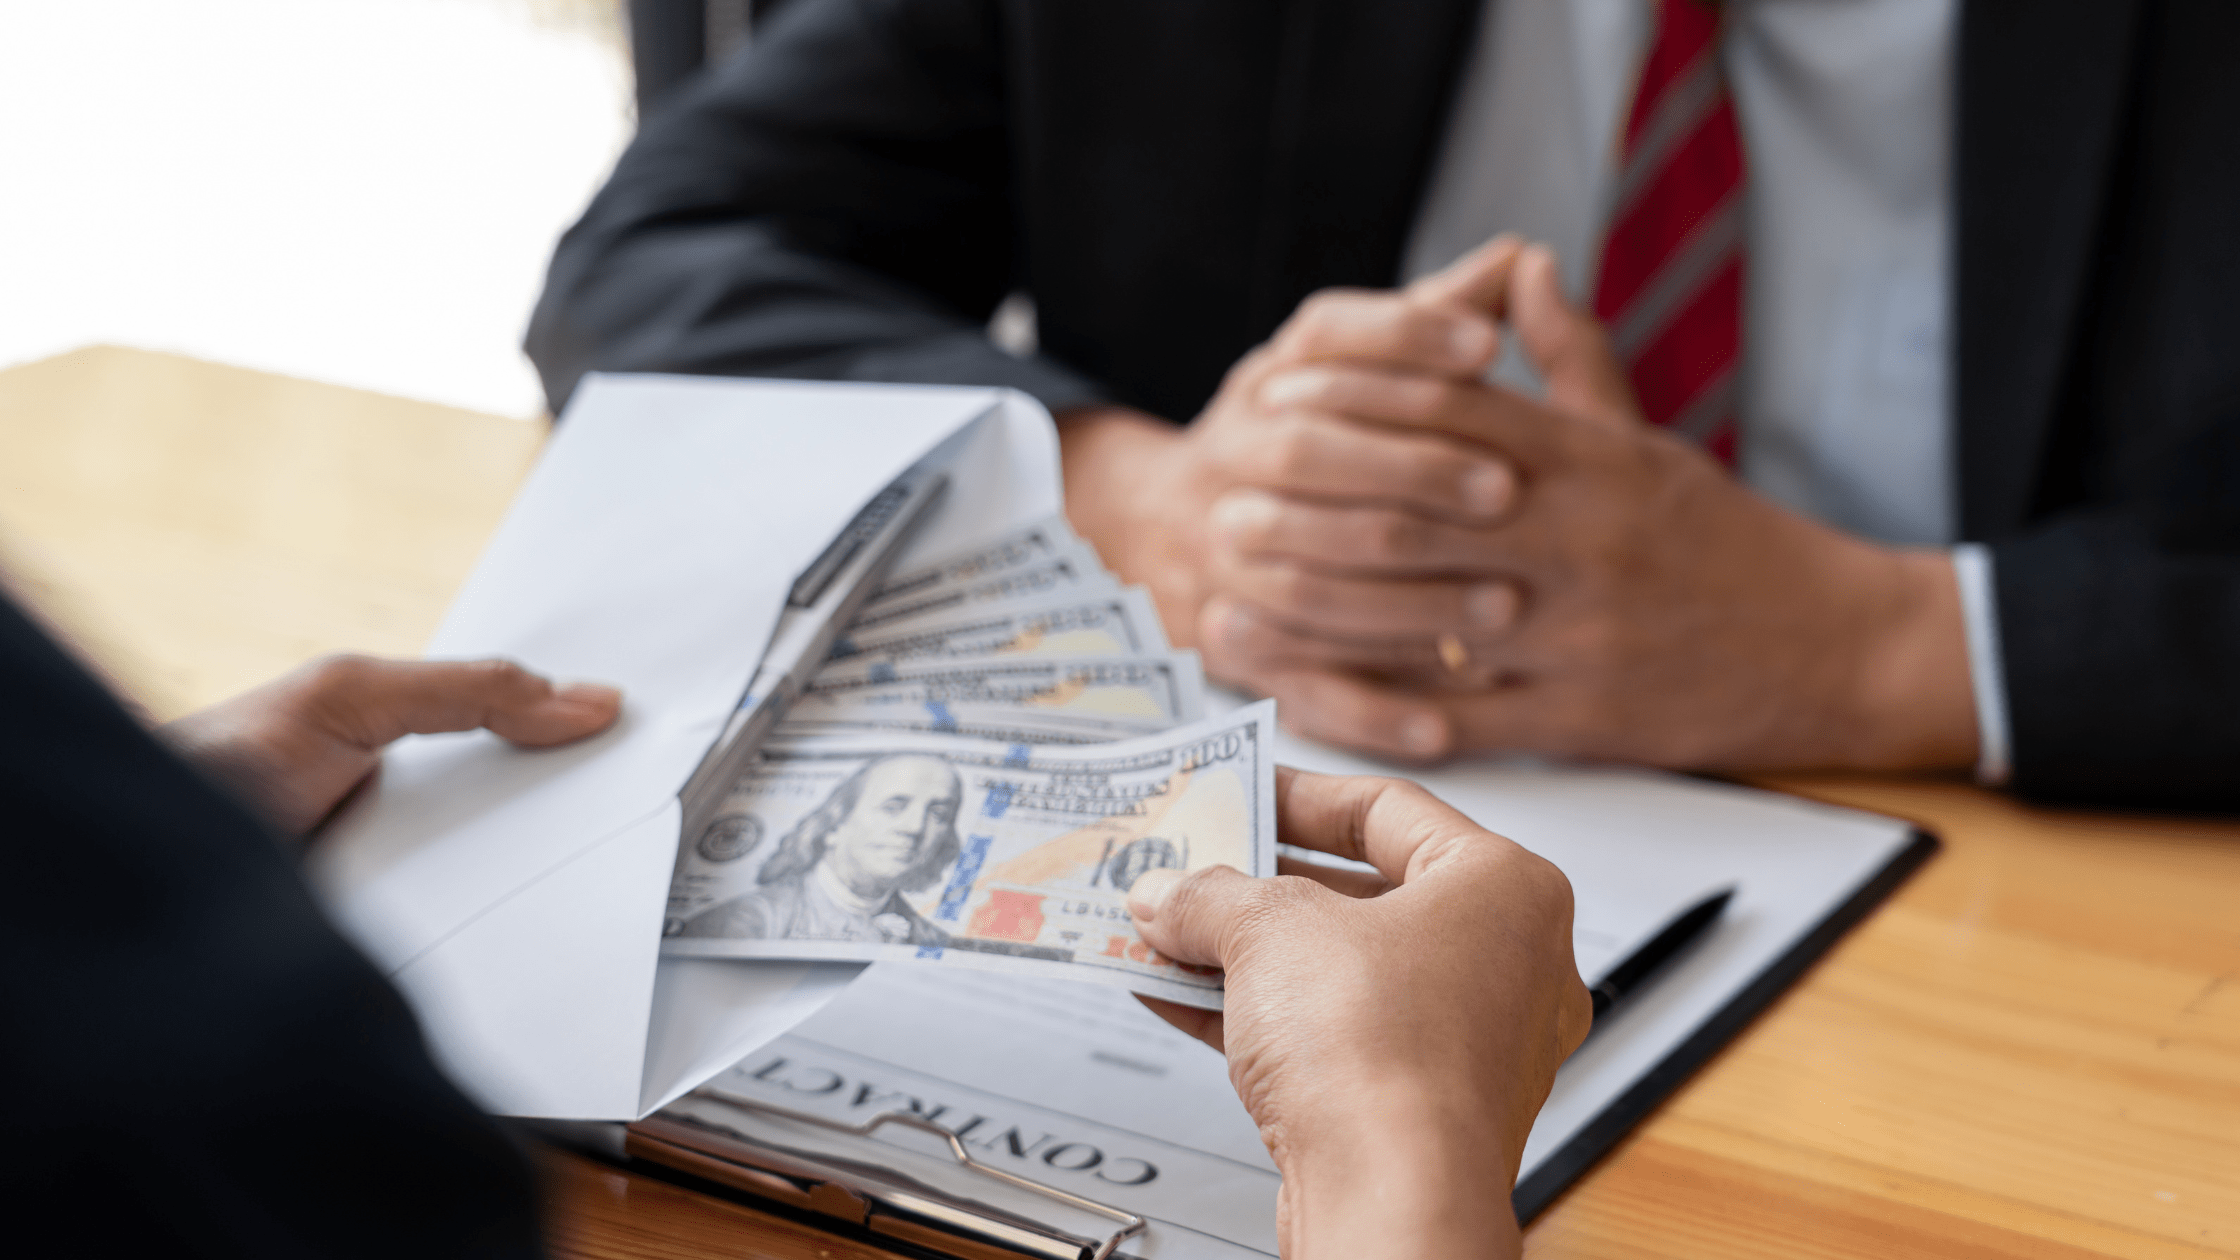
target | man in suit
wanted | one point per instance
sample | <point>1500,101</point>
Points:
<point>1952,284</point>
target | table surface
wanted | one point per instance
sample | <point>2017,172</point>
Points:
<point>2033,1049</point>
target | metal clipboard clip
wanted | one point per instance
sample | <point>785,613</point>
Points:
<point>708,1137</point>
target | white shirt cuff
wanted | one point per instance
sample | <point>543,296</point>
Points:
<point>1979,612</point>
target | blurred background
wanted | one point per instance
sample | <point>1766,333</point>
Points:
<point>359,192</point>
<point>264,271</point>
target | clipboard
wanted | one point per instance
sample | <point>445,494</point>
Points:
<point>719,1144</point>
<point>711,1140</point>
<point>1545,1182</point>
<point>724,1146</point>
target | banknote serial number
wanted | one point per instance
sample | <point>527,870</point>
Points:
<point>1226,746</point>
<point>1082,908</point>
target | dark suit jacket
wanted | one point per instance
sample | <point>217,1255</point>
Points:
<point>1168,178</point>
<point>197,1064</point>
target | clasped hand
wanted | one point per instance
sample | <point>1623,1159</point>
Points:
<point>1416,562</point>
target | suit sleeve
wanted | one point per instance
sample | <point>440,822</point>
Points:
<point>2119,630</point>
<point>197,1063</point>
<point>835,203</point>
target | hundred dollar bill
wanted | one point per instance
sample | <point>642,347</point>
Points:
<point>1030,545</point>
<point>1112,623</point>
<point>976,854</point>
<point>1017,699</point>
<point>1077,574</point>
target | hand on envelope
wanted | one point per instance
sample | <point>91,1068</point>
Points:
<point>517,897</point>
<point>295,747</point>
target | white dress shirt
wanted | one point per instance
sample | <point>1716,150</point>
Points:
<point>1845,108</point>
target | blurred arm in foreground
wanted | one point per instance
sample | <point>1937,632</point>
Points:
<point>207,1067</point>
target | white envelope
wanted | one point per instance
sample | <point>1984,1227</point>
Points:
<point>516,896</point>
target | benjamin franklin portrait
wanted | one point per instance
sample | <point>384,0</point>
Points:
<point>840,873</point>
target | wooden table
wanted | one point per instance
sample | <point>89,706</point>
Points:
<point>2033,1050</point>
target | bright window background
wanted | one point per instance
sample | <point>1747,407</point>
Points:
<point>363,192</point>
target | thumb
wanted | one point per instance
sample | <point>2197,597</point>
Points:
<point>1568,345</point>
<point>370,702</point>
<point>1194,917</point>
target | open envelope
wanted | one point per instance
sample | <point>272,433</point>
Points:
<point>516,896</point>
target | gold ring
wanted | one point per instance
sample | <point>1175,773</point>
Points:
<point>1454,654</point>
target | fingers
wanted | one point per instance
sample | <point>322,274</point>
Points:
<point>1256,525</point>
<point>1345,604</point>
<point>1303,452</point>
<point>1574,1016</point>
<point>567,714</point>
<point>1342,880</point>
<point>1500,426</point>
<point>1212,916</point>
<point>1394,825</point>
<point>1339,709</point>
<point>371,702</point>
<point>1478,280</point>
<point>1515,713</point>
<point>1366,391</point>
<point>1206,1026</point>
<point>1442,323</point>
<point>1245,645</point>
<point>1569,346</point>
<point>1189,926</point>
<point>1390,328</point>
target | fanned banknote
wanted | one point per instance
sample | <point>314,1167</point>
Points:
<point>1113,623</point>
<point>1078,574</point>
<point>1022,548</point>
<point>1015,699</point>
<point>976,854</point>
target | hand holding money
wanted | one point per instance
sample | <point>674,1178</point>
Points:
<point>1439,1011</point>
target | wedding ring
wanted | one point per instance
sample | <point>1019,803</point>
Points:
<point>1454,654</point>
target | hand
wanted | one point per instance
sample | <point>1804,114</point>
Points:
<point>1393,1050</point>
<point>1151,496</point>
<point>1638,604</point>
<point>295,747</point>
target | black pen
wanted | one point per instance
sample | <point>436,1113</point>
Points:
<point>1631,974</point>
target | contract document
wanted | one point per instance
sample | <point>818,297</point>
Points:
<point>1087,1091</point>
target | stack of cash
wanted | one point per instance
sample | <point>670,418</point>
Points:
<point>999,745</point>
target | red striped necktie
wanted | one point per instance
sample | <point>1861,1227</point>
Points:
<point>1670,288</point>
